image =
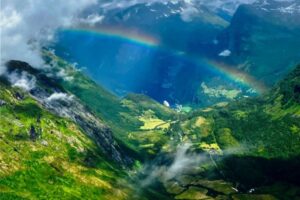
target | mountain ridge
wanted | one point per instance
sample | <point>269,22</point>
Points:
<point>220,135</point>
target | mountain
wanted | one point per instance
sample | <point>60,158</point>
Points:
<point>225,8</point>
<point>143,100</point>
<point>123,115</point>
<point>178,25</point>
<point>52,146</point>
<point>253,144</point>
<point>68,133</point>
<point>151,48</point>
<point>263,39</point>
<point>71,136</point>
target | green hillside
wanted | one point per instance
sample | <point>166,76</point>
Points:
<point>263,43</point>
<point>127,117</point>
<point>43,156</point>
<point>255,143</point>
<point>97,146</point>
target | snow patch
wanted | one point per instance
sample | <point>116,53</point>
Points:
<point>225,53</point>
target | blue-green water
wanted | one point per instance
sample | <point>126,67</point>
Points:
<point>123,66</point>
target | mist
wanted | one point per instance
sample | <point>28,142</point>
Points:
<point>28,25</point>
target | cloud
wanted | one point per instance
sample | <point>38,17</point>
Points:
<point>227,5</point>
<point>187,14</point>
<point>225,53</point>
<point>22,80</point>
<point>166,103</point>
<point>182,163</point>
<point>92,19</point>
<point>59,96</point>
<point>63,75</point>
<point>27,25</point>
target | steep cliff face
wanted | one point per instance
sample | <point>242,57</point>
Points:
<point>263,39</point>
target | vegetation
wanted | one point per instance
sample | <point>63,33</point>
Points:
<point>43,156</point>
<point>128,117</point>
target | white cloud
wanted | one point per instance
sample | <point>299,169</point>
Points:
<point>28,24</point>
<point>225,53</point>
<point>227,5</point>
<point>92,19</point>
<point>166,103</point>
<point>183,162</point>
<point>2,69</point>
<point>64,75</point>
<point>23,80</point>
<point>59,96</point>
<point>188,13</point>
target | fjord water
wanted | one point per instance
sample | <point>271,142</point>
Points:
<point>124,66</point>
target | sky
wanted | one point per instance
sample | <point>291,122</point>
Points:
<point>26,25</point>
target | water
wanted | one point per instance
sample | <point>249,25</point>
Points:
<point>123,66</point>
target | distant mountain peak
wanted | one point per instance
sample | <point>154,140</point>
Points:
<point>280,6</point>
<point>227,7</point>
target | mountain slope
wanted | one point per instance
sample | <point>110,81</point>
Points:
<point>40,115</point>
<point>69,138</point>
<point>263,39</point>
<point>48,92</point>
<point>45,156</point>
<point>249,135</point>
<point>162,37</point>
<point>254,143</point>
<point>123,116</point>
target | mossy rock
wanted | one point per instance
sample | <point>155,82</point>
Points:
<point>194,193</point>
<point>173,187</point>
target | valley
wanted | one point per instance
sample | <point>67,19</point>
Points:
<point>150,100</point>
<point>190,155</point>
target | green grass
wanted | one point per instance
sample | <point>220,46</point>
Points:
<point>122,115</point>
<point>251,130</point>
<point>60,163</point>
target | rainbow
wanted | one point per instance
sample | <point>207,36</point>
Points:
<point>131,35</point>
<point>237,75</point>
<point>142,39</point>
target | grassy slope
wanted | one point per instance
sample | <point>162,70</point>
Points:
<point>267,127</point>
<point>257,142</point>
<point>262,132</point>
<point>255,36</point>
<point>257,131</point>
<point>60,163</point>
<point>127,117</point>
